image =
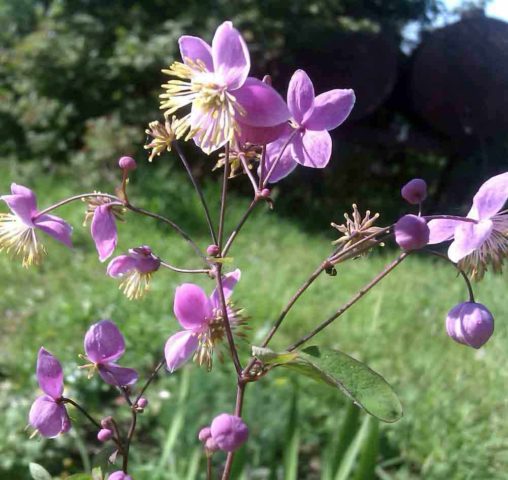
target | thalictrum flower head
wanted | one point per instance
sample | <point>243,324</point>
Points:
<point>18,229</point>
<point>307,138</point>
<point>414,191</point>
<point>135,269</point>
<point>104,345</point>
<point>470,323</point>
<point>202,321</point>
<point>48,413</point>
<point>481,239</point>
<point>163,135</point>
<point>411,232</point>
<point>229,432</point>
<point>214,81</point>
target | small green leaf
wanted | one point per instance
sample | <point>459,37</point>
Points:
<point>81,476</point>
<point>38,472</point>
<point>268,356</point>
<point>364,386</point>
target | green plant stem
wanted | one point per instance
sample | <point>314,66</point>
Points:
<point>74,198</point>
<point>224,195</point>
<point>389,268</point>
<point>150,380</point>
<point>198,189</point>
<point>130,434</point>
<point>241,223</point>
<point>262,167</point>
<point>184,270</point>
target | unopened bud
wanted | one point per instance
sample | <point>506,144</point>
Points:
<point>229,432</point>
<point>213,250</point>
<point>267,79</point>
<point>127,163</point>
<point>265,193</point>
<point>211,445</point>
<point>204,434</point>
<point>411,232</point>
<point>107,422</point>
<point>142,402</point>
<point>470,323</point>
<point>104,435</point>
<point>414,191</point>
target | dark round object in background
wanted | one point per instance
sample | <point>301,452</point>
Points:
<point>459,82</point>
<point>364,61</point>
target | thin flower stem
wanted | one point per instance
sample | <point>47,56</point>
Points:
<point>240,391</point>
<point>208,467</point>
<point>149,380</point>
<point>277,160</point>
<point>223,196</point>
<point>449,217</point>
<point>130,434</point>
<point>82,410</point>
<point>464,276</point>
<point>262,167</point>
<point>237,229</point>
<point>74,198</point>
<point>389,268</point>
<point>340,252</point>
<point>169,222</point>
<point>198,189</point>
<point>183,270</point>
<point>227,325</point>
<point>248,173</point>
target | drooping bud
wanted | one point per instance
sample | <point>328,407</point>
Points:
<point>204,434</point>
<point>470,323</point>
<point>265,193</point>
<point>414,191</point>
<point>142,403</point>
<point>212,250</point>
<point>127,163</point>
<point>119,475</point>
<point>411,232</point>
<point>107,422</point>
<point>211,445</point>
<point>229,432</point>
<point>104,435</point>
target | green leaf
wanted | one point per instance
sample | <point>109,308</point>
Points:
<point>366,388</point>
<point>38,472</point>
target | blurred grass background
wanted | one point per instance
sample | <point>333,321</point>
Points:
<point>454,397</point>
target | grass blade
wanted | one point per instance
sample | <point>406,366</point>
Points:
<point>293,441</point>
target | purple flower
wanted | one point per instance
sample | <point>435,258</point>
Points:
<point>414,191</point>
<point>411,232</point>
<point>18,229</point>
<point>135,269</point>
<point>215,81</point>
<point>48,413</point>
<point>104,345</point>
<point>119,475</point>
<point>229,432</point>
<point>310,143</point>
<point>482,238</point>
<point>104,434</point>
<point>201,319</point>
<point>470,323</point>
<point>103,231</point>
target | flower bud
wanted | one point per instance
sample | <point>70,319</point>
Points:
<point>107,422</point>
<point>470,323</point>
<point>229,432</point>
<point>267,79</point>
<point>142,402</point>
<point>204,434</point>
<point>119,475</point>
<point>265,193</point>
<point>212,250</point>
<point>211,445</point>
<point>104,435</point>
<point>411,232</point>
<point>127,163</point>
<point>414,191</point>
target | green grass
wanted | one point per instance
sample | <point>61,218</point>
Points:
<point>454,398</point>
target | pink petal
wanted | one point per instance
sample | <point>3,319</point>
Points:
<point>22,202</point>
<point>194,49</point>
<point>300,96</point>
<point>192,307</point>
<point>468,237</point>
<point>264,107</point>
<point>490,198</point>
<point>260,135</point>
<point>104,231</point>
<point>49,374</point>
<point>121,265</point>
<point>286,163</point>
<point>231,58</point>
<point>179,348</point>
<point>442,230</point>
<point>116,375</point>
<point>330,110</point>
<point>312,149</point>
<point>211,136</point>
<point>103,342</point>
<point>48,417</point>
<point>228,284</point>
<point>55,227</point>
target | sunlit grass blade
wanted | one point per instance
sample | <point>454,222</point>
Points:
<point>292,440</point>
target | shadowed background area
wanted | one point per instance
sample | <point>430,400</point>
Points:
<point>79,82</point>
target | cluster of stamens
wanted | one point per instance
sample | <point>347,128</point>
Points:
<point>20,239</point>
<point>94,202</point>
<point>162,135</point>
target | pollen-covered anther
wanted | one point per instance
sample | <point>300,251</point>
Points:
<point>163,135</point>
<point>354,230</point>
